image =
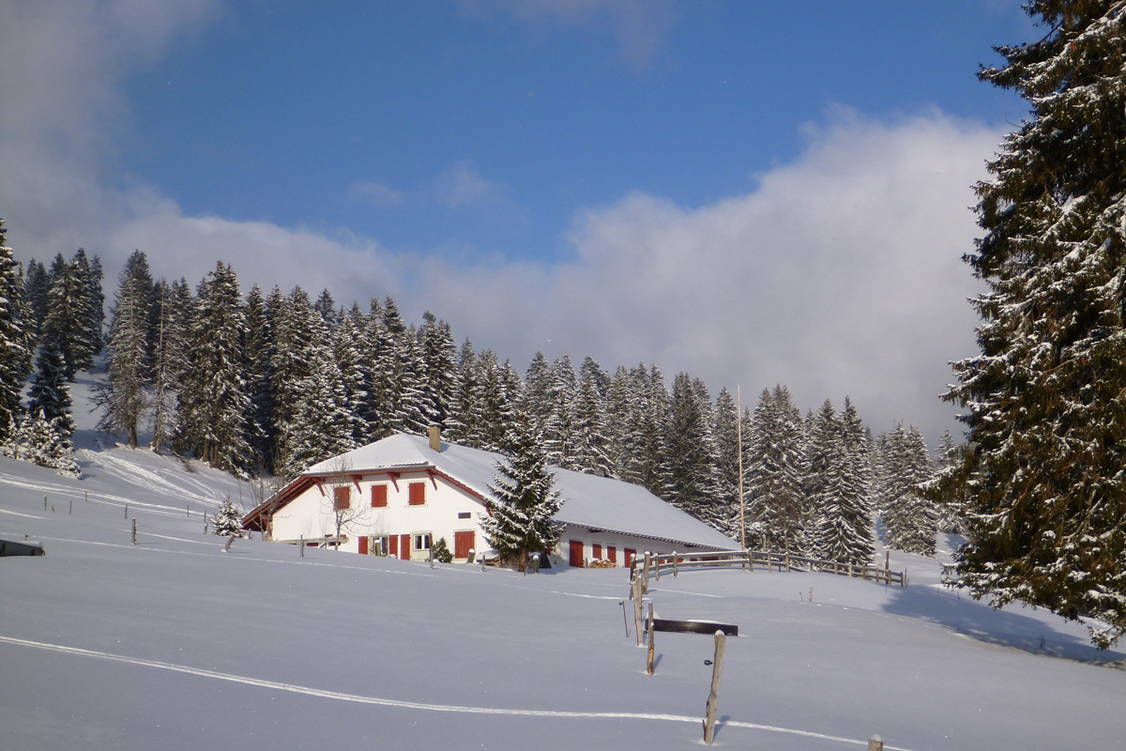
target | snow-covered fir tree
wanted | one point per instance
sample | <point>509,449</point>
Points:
<point>311,413</point>
<point>463,409</point>
<point>69,314</point>
<point>123,396</point>
<point>36,285</point>
<point>524,500</point>
<point>844,517</point>
<point>910,519</point>
<point>49,394</point>
<point>213,404</point>
<point>774,475</point>
<point>227,520</point>
<point>590,444</point>
<point>1047,494</point>
<point>439,359</point>
<point>558,436</point>
<point>690,479</point>
<point>14,338</point>
<point>537,391</point>
<point>37,440</point>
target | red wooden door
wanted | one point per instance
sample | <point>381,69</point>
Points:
<point>463,543</point>
<point>393,544</point>
<point>363,546</point>
<point>405,547</point>
<point>630,553</point>
<point>612,554</point>
<point>577,553</point>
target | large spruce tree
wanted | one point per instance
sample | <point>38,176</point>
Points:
<point>524,503</point>
<point>1044,398</point>
<point>14,337</point>
<point>123,395</point>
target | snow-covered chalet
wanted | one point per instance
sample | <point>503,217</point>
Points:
<point>399,495</point>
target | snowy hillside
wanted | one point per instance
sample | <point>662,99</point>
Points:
<point>174,644</point>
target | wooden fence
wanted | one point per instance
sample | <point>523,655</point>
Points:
<point>653,566</point>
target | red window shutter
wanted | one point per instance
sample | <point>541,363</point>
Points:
<point>612,554</point>
<point>596,552</point>
<point>417,493</point>
<point>630,553</point>
<point>363,545</point>
<point>405,547</point>
<point>378,496</point>
<point>341,498</point>
<point>393,547</point>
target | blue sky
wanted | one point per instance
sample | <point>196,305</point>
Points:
<point>355,115</point>
<point>754,192</point>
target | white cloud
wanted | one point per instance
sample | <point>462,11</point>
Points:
<point>376,193</point>
<point>461,186</point>
<point>837,274</point>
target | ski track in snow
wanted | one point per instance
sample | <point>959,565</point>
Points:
<point>137,475</point>
<point>17,513</point>
<point>95,496</point>
<point>401,704</point>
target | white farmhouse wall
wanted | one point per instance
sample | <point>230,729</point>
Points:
<point>310,514</point>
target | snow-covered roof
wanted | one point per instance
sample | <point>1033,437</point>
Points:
<point>589,501</point>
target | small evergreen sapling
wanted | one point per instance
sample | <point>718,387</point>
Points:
<point>441,551</point>
<point>227,521</point>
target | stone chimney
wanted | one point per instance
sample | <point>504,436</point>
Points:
<point>435,434</point>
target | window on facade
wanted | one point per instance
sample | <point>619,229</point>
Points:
<point>378,496</point>
<point>341,498</point>
<point>421,541</point>
<point>463,515</point>
<point>596,552</point>
<point>417,492</point>
<point>380,545</point>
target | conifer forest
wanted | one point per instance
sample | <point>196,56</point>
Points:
<point>265,382</point>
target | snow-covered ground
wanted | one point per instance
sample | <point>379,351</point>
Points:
<point>174,644</point>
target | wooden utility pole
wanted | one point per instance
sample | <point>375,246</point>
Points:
<point>649,655</point>
<point>739,450</point>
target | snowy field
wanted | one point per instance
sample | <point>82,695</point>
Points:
<point>174,644</point>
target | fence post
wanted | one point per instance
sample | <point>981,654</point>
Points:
<point>625,619</point>
<point>657,566</point>
<point>126,509</point>
<point>301,544</point>
<point>675,564</point>
<point>70,508</point>
<point>205,522</point>
<point>134,531</point>
<point>637,612</point>
<point>645,578</point>
<point>875,743</point>
<point>713,694</point>
<point>649,655</point>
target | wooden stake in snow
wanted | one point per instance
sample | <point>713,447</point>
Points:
<point>301,546</point>
<point>651,650</point>
<point>205,522</point>
<point>637,611</point>
<point>625,619</point>
<point>44,503</point>
<point>134,531</point>
<point>713,695</point>
<point>875,743</point>
<point>70,507</point>
<point>126,510</point>
<point>85,497</point>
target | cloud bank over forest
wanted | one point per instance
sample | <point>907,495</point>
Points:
<point>835,273</point>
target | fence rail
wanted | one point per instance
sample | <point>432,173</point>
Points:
<point>652,566</point>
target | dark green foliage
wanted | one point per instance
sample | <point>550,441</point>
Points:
<point>524,501</point>
<point>49,395</point>
<point>1044,398</point>
<point>14,338</point>
<point>441,551</point>
<point>123,396</point>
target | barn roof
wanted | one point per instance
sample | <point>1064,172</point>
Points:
<point>599,503</point>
